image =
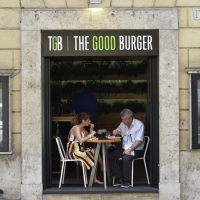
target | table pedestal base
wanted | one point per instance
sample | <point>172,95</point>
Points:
<point>106,168</point>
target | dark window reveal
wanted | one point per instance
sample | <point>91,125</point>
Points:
<point>4,131</point>
<point>196,111</point>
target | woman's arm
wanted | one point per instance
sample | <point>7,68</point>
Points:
<point>77,133</point>
<point>91,130</point>
<point>85,132</point>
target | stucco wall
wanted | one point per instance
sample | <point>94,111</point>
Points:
<point>10,48</point>
<point>10,167</point>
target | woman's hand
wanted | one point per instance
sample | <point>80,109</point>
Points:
<point>77,133</point>
<point>91,126</point>
<point>92,133</point>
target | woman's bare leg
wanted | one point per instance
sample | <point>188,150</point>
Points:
<point>99,160</point>
<point>101,164</point>
<point>95,178</point>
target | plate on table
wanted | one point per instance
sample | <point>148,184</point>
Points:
<point>94,138</point>
<point>113,138</point>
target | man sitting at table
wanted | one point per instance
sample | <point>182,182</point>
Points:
<point>132,132</point>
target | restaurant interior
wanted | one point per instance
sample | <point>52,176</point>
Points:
<point>117,83</point>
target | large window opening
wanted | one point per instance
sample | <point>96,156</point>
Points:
<point>117,83</point>
<point>135,83</point>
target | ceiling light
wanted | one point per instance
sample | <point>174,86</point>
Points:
<point>95,1</point>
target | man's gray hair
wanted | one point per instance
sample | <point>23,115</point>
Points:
<point>126,112</point>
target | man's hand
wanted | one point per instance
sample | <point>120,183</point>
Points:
<point>127,152</point>
<point>115,132</point>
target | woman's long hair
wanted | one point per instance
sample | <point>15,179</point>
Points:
<point>79,117</point>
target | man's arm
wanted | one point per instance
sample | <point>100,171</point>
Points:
<point>137,143</point>
<point>117,131</point>
<point>133,147</point>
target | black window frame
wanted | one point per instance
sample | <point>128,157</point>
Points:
<point>194,105</point>
<point>5,113</point>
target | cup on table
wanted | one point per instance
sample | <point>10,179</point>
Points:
<point>101,133</point>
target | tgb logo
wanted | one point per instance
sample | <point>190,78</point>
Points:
<point>55,43</point>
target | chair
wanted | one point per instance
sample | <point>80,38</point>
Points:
<point>147,139</point>
<point>63,159</point>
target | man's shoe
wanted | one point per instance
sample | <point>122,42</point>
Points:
<point>118,183</point>
<point>125,185</point>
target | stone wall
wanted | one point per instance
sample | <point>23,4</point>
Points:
<point>10,48</point>
<point>127,196</point>
<point>33,21</point>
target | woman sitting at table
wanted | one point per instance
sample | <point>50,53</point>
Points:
<point>77,136</point>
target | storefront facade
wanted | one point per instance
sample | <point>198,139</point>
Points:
<point>176,159</point>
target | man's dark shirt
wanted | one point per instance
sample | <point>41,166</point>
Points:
<point>85,102</point>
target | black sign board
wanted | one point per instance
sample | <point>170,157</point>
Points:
<point>100,43</point>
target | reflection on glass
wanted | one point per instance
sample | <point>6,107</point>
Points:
<point>198,104</point>
<point>1,117</point>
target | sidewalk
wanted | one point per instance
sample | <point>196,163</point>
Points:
<point>1,197</point>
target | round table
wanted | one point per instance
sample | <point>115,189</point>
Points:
<point>106,167</point>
